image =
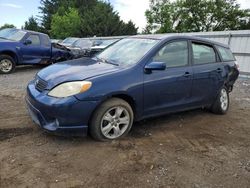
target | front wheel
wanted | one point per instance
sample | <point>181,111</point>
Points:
<point>7,64</point>
<point>112,120</point>
<point>221,104</point>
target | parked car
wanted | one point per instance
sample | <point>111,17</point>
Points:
<point>136,78</point>
<point>68,41</point>
<point>80,47</point>
<point>88,47</point>
<point>21,47</point>
<point>56,40</point>
<point>100,45</point>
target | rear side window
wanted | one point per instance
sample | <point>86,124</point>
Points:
<point>203,54</point>
<point>174,54</point>
<point>34,39</point>
<point>45,40</point>
<point>226,54</point>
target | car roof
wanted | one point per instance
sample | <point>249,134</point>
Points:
<point>32,32</point>
<point>177,36</point>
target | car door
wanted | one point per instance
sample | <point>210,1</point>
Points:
<point>46,49</point>
<point>207,73</point>
<point>170,89</point>
<point>31,49</point>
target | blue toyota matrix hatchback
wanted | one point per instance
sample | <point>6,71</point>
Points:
<point>136,78</point>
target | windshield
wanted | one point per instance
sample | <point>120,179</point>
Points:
<point>12,34</point>
<point>83,43</point>
<point>127,51</point>
<point>69,40</point>
<point>108,42</point>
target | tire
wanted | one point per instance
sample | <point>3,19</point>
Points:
<point>7,64</point>
<point>221,104</point>
<point>112,120</point>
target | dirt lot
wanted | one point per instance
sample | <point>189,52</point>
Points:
<point>190,149</point>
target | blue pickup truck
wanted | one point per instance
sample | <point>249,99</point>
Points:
<point>22,47</point>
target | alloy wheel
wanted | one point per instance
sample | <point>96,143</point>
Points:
<point>115,122</point>
<point>5,65</point>
<point>224,99</point>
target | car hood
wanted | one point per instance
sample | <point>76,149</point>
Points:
<point>79,69</point>
<point>5,40</point>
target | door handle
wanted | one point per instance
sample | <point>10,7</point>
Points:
<point>219,70</point>
<point>187,74</point>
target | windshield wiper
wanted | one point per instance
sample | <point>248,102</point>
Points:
<point>107,61</point>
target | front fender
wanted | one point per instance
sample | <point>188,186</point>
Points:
<point>13,52</point>
<point>128,82</point>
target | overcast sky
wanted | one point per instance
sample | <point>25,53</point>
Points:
<point>18,11</point>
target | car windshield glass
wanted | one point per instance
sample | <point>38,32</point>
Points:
<point>127,51</point>
<point>108,42</point>
<point>69,40</point>
<point>83,43</point>
<point>12,34</point>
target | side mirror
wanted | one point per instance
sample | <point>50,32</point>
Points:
<point>155,66</point>
<point>27,42</point>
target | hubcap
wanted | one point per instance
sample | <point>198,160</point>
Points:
<point>115,122</point>
<point>224,99</point>
<point>5,65</point>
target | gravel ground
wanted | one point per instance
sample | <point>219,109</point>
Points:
<point>14,84</point>
<point>190,149</point>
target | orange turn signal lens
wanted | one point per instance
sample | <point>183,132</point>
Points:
<point>86,86</point>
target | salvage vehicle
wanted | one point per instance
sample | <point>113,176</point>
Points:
<point>89,47</point>
<point>80,47</point>
<point>56,40</point>
<point>99,46</point>
<point>68,41</point>
<point>136,78</point>
<point>21,47</point>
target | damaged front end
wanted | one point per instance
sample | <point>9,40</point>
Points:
<point>61,53</point>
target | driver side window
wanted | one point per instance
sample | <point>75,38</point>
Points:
<point>174,54</point>
<point>34,39</point>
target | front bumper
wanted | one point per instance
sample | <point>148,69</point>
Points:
<point>67,116</point>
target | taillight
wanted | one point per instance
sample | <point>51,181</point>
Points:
<point>237,65</point>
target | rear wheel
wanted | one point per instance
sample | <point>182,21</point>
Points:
<point>112,120</point>
<point>7,64</point>
<point>221,104</point>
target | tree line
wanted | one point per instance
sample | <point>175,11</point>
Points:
<point>87,18</point>
<point>79,18</point>
<point>165,16</point>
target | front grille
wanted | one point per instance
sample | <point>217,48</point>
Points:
<point>40,84</point>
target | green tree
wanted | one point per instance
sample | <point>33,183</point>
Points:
<point>129,28</point>
<point>32,24</point>
<point>96,18</point>
<point>67,24</point>
<point>245,24</point>
<point>194,15</point>
<point>100,21</point>
<point>48,8</point>
<point>7,26</point>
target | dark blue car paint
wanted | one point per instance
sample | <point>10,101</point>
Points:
<point>150,94</point>
<point>31,54</point>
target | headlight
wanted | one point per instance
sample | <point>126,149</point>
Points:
<point>70,88</point>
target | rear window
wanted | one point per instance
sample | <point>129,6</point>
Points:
<point>226,54</point>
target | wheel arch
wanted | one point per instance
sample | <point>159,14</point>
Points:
<point>11,54</point>
<point>120,95</point>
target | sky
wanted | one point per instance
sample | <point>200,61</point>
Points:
<point>18,11</point>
